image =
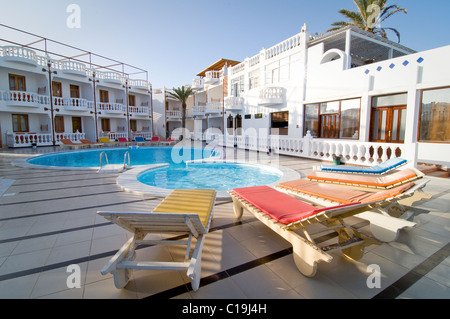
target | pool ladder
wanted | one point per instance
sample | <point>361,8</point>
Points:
<point>117,169</point>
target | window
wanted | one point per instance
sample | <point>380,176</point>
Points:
<point>311,120</point>
<point>104,96</point>
<point>74,91</point>
<point>279,123</point>
<point>131,100</point>
<point>248,116</point>
<point>435,116</point>
<point>20,123</point>
<point>349,126</point>
<point>253,79</point>
<point>133,125</point>
<point>258,116</point>
<point>105,125</point>
<point>17,83</point>
<point>59,124</point>
<point>57,89</point>
<point>237,86</point>
<point>336,119</point>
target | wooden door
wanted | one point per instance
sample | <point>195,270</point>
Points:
<point>388,124</point>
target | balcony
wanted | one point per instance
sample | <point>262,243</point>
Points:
<point>197,84</point>
<point>112,108</point>
<point>139,111</point>
<point>173,115</point>
<point>18,54</point>
<point>23,98</point>
<point>234,103</point>
<point>213,107</point>
<point>110,77</point>
<point>271,96</point>
<point>212,77</point>
<point>71,67</point>
<point>139,84</point>
<point>76,104</point>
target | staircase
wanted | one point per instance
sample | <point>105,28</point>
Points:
<point>433,170</point>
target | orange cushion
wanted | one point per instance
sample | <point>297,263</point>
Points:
<point>382,181</point>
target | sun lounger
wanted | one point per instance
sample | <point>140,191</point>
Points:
<point>384,181</point>
<point>124,141</point>
<point>382,168</point>
<point>90,143</point>
<point>155,140</point>
<point>107,141</point>
<point>187,212</point>
<point>386,215</point>
<point>66,143</point>
<point>169,141</point>
<point>139,139</point>
<point>292,218</point>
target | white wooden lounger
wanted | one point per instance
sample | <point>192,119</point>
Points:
<point>386,215</point>
<point>183,212</point>
<point>291,218</point>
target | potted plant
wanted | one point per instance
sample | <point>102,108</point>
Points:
<point>336,159</point>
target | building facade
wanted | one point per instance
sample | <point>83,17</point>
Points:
<point>45,97</point>
<point>348,93</point>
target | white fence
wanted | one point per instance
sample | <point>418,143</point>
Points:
<point>351,152</point>
<point>39,139</point>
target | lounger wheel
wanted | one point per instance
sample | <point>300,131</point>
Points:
<point>121,278</point>
<point>307,269</point>
<point>238,209</point>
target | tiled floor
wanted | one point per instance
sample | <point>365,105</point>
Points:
<point>48,222</point>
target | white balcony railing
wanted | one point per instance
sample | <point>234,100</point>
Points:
<point>173,114</point>
<point>234,103</point>
<point>18,54</point>
<point>271,96</point>
<point>197,84</point>
<point>212,77</point>
<point>39,139</point>
<point>139,110</point>
<point>23,98</point>
<point>351,152</point>
<point>113,108</point>
<point>213,107</point>
<point>139,84</point>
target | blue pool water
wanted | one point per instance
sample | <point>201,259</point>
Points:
<point>139,156</point>
<point>223,176</point>
<point>176,175</point>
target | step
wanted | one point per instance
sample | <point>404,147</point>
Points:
<point>111,169</point>
<point>439,173</point>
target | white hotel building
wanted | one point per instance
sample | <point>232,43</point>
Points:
<point>348,93</point>
<point>85,99</point>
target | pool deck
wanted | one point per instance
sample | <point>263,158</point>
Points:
<point>48,221</point>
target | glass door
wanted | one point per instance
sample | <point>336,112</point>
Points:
<point>388,124</point>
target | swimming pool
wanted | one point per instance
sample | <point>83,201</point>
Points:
<point>223,176</point>
<point>138,156</point>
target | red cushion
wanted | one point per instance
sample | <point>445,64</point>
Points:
<point>281,207</point>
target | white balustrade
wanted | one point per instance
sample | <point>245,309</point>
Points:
<point>23,98</point>
<point>14,53</point>
<point>175,114</point>
<point>39,139</point>
<point>116,108</point>
<point>351,152</point>
<point>140,110</point>
<point>271,95</point>
<point>234,103</point>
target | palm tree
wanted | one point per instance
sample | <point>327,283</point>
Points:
<point>182,94</point>
<point>370,15</point>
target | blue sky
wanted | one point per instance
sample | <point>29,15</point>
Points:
<point>176,39</point>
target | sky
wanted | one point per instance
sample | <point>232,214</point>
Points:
<point>176,39</point>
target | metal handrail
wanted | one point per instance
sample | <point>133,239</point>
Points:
<point>125,159</point>
<point>101,159</point>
